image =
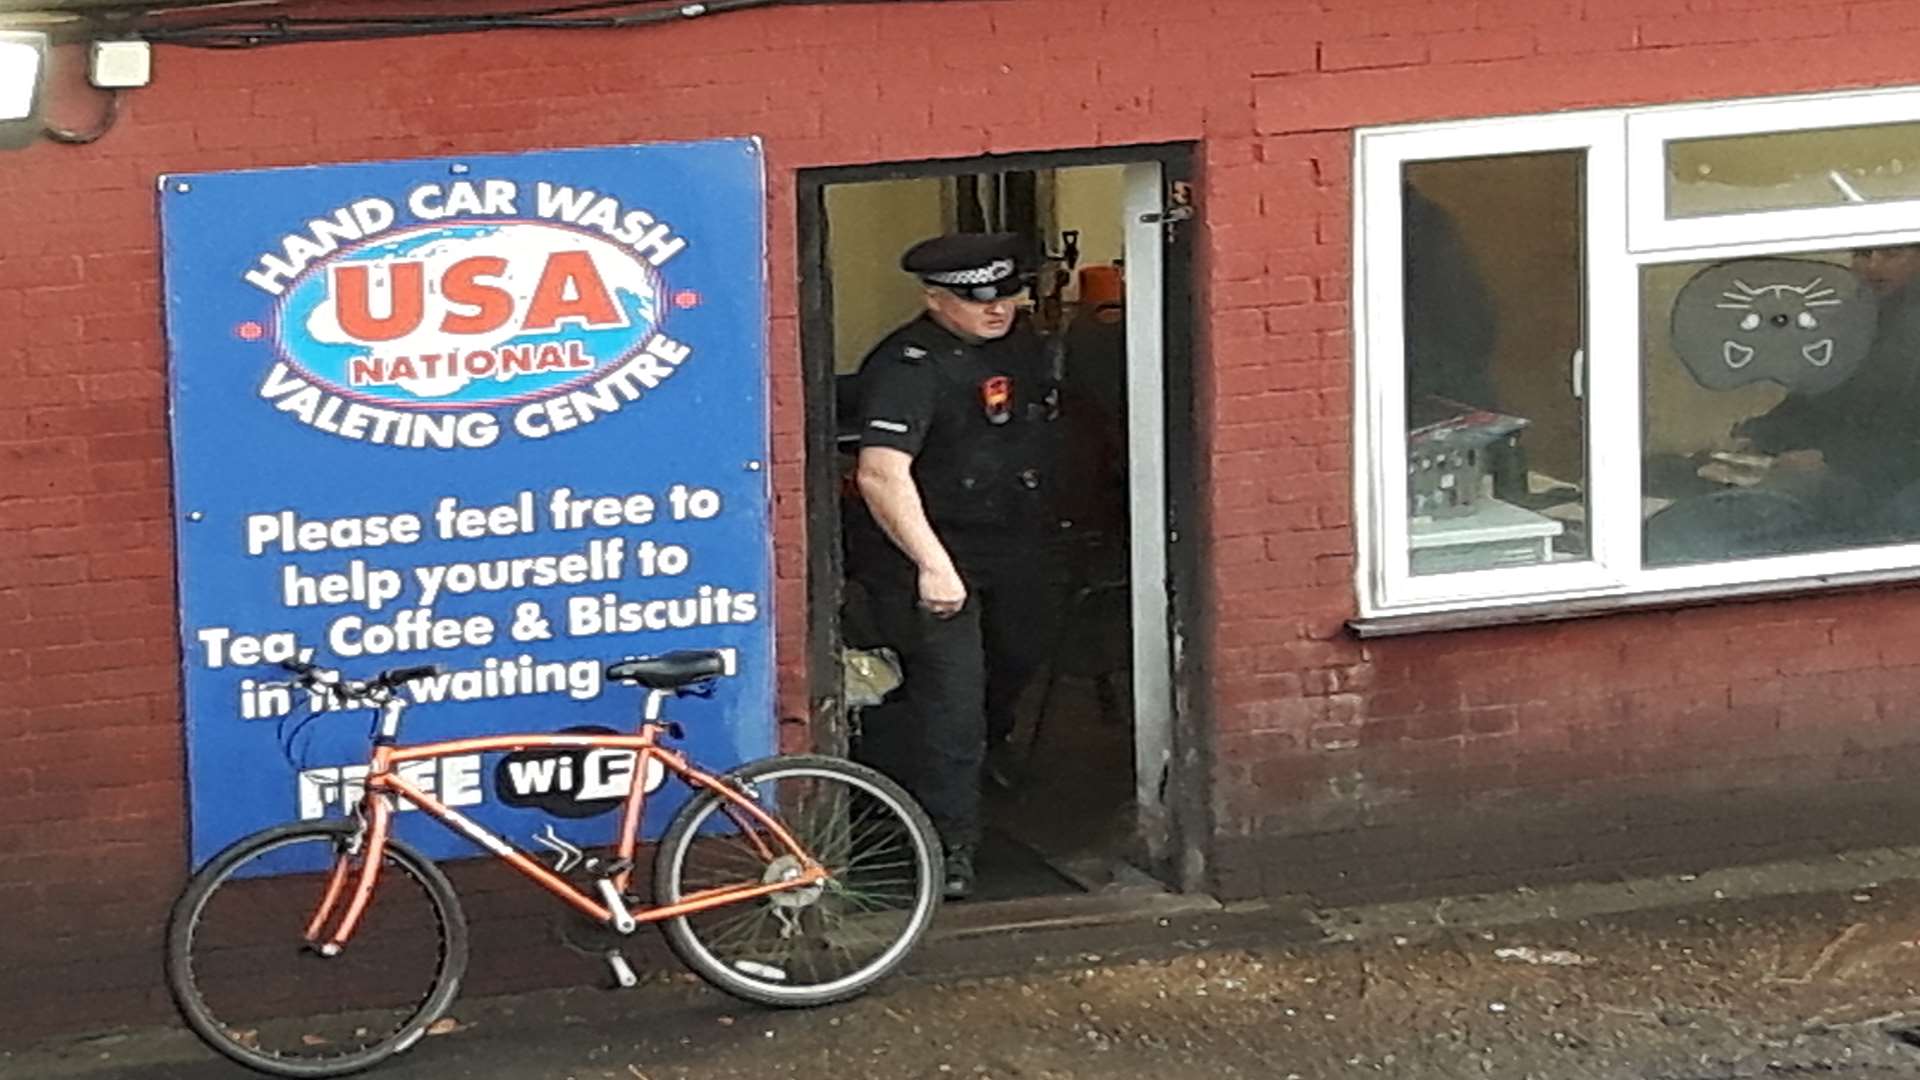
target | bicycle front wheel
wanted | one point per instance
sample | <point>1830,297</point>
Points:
<point>246,981</point>
<point>813,945</point>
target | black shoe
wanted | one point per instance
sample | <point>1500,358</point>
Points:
<point>959,880</point>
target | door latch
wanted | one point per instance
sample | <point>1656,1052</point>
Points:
<point>1179,207</point>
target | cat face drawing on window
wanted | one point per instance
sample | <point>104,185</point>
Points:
<point>1802,323</point>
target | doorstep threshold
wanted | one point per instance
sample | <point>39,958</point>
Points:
<point>968,919</point>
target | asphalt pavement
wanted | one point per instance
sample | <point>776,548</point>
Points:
<point>1804,968</point>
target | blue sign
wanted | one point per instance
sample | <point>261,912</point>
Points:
<point>505,414</point>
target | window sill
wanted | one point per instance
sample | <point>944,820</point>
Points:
<point>1426,622</point>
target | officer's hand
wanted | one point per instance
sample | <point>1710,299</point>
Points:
<point>1801,461</point>
<point>942,592</point>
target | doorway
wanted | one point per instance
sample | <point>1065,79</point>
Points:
<point>1099,788</point>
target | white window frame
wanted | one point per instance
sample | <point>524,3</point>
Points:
<point>1625,160</point>
<point>1650,130</point>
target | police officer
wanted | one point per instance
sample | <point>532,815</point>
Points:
<point>955,554</point>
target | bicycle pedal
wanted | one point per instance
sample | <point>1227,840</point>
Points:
<point>623,975</point>
<point>599,867</point>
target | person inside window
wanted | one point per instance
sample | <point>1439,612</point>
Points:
<point>1449,314</point>
<point>1854,451</point>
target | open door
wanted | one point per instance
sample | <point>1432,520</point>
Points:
<point>1148,230</point>
<point>1098,797</point>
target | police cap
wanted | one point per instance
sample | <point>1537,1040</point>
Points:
<point>975,266</point>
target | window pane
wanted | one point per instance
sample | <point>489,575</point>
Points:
<point>1780,397</point>
<point>1496,458</point>
<point>1791,170</point>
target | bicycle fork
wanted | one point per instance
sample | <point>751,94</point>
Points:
<point>368,843</point>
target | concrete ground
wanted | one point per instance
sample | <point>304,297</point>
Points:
<point>1804,968</point>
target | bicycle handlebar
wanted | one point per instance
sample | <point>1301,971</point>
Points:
<point>396,676</point>
<point>343,689</point>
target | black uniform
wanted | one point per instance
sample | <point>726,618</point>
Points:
<point>976,419</point>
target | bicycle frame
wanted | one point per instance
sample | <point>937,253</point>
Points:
<point>384,787</point>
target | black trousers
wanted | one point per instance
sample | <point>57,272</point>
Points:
<point>962,676</point>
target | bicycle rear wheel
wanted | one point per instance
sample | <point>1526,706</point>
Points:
<point>814,945</point>
<point>248,984</point>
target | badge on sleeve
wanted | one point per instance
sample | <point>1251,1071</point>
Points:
<point>996,399</point>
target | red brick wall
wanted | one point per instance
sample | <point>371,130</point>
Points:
<point>1341,764</point>
<point>1451,761</point>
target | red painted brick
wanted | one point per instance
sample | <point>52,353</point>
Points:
<point>1883,16</point>
<point>40,272</point>
<point>1470,46</point>
<point>1376,52</point>
<point>1234,10</point>
<point>1271,291</point>
<point>1621,8</point>
<point>1708,27</point>
<point>1358,18</point>
<point>1496,14</point>
<point>1282,320</point>
<point>1266,58</point>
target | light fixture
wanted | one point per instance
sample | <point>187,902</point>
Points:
<point>23,68</point>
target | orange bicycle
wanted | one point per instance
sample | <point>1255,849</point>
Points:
<point>321,948</point>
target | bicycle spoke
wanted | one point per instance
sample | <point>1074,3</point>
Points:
<point>819,941</point>
<point>742,926</point>
<point>245,978</point>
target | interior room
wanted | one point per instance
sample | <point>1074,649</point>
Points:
<point>1764,378</point>
<point>1061,792</point>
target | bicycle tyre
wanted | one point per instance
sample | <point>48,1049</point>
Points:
<point>907,826</point>
<point>184,934</point>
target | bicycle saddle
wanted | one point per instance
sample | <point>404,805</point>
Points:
<point>669,670</point>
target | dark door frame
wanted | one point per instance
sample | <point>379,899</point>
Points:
<point>1179,835</point>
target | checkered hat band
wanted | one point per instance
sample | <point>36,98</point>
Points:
<point>997,270</point>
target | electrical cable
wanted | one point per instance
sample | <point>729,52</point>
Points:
<point>109,113</point>
<point>254,33</point>
<point>157,21</point>
<point>164,26</point>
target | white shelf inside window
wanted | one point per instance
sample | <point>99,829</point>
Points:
<point>1496,534</point>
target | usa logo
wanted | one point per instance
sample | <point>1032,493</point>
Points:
<point>452,332</point>
<point>469,316</point>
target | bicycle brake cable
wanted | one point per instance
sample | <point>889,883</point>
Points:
<point>288,737</point>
